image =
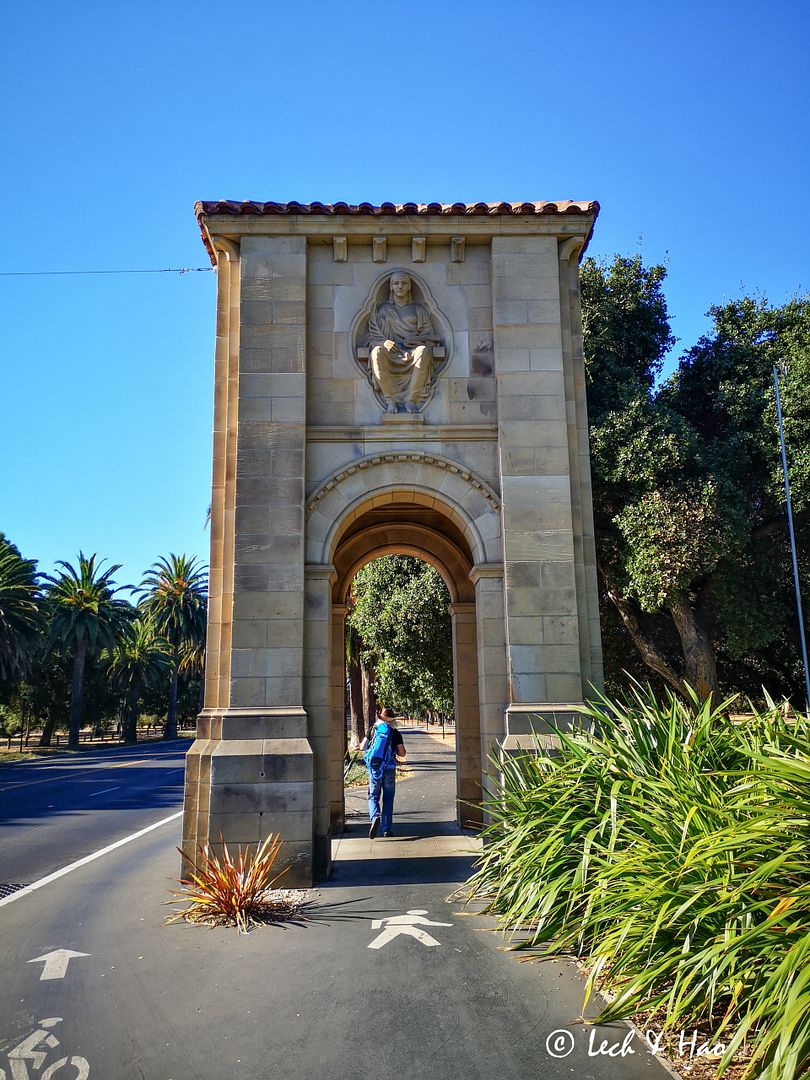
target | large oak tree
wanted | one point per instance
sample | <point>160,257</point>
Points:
<point>689,505</point>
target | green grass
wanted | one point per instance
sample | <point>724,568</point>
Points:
<point>17,755</point>
<point>670,853</point>
<point>357,776</point>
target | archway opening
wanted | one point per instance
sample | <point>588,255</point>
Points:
<point>399,646</point>
<point>399,656</point>
<point>419,529</point>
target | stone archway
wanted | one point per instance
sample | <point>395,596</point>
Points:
<point>326,455</point>
<point>449,517</point>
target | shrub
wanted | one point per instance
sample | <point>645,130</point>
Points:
<point>669,851</point>
<point>237,891</point>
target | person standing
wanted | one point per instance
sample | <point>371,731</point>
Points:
<point>383,745</point>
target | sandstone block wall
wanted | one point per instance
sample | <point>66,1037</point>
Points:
<point>490,482</point>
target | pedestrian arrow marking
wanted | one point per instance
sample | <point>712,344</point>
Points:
<point>56,963</point>
<point>407,924</point>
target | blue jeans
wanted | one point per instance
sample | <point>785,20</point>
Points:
<point>385,783</point>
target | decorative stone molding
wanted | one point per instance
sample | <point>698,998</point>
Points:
<point>456,249</point>
<point>418,249</point>
<point>228,248</point>
<point>390,432</point>
<point>486,570</point>
<point>379,249</point>
<point>395,457</point>
<point>320,570</point>
<point>572,247</point>
<point>340,248</point>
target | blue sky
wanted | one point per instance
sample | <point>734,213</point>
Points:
<point>687,121</point>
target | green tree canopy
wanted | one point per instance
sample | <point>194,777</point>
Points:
<point>173,600</point>
<point>688,498</point>
<point>85,616</point>
<point>21,620</point>
<point>138,663</point>
<point>399,608</point>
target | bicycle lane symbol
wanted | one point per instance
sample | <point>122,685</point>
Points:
<point>35,1048</point>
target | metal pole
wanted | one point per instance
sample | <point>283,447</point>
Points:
<point>792,540</point>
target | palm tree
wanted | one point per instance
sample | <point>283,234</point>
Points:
<point>85,616</point>
<point>137,663</point>
<point>174,595</point>
<point>21,620</point>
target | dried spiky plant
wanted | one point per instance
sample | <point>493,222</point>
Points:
<point>236,891</point>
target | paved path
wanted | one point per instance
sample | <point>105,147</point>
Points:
<point>156,1002</point>
<point>424,821</point>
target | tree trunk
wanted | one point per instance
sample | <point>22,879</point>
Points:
<point>698,653</point>
<point>170,731</point>
<point>369,698</point>
<point>648,649</point>
<point>48,728</point>
<point>356,703</point>
<point>76,691</point>
<point>131,716</point>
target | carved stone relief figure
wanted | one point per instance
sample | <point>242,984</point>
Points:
<point>403,347</point>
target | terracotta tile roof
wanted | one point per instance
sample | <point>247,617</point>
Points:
<point>480,209</point>
<point>226,206</point>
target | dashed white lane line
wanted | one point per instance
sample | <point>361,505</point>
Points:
<point>71,775</point>
<point>87,859</point>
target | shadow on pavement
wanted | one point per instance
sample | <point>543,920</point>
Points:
<point>433,869</point>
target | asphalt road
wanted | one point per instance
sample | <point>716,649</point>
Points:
<point>56,810</point>
<point>149,1001</point>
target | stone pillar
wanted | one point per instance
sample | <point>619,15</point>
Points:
<point>590,634</point>
<point>337,718</point>
<point>541,602</point>
<point>468,728</point>
<point>255,774</point>
<point>220,576</point>
<point>317,631</point>
<point>489,613</point>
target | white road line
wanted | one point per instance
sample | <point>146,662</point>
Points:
<point>87,859</point>
<point>93,794</point>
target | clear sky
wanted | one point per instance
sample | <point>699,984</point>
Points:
<point>687,121</point>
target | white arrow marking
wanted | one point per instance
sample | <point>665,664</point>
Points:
<point>56,963</point>
<point>407,924</point>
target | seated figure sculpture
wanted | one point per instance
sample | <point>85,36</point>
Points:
<point>401,339</point>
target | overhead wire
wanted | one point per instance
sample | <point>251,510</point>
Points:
<point>52,273</point>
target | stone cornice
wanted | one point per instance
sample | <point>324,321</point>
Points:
<point>407,433</point>
<point>444,227</point>
<point>395,457</point>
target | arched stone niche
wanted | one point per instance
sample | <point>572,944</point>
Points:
<point>379,294</point>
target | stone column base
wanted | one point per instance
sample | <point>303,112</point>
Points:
<point>536,725</point>
<point>250,773</point>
